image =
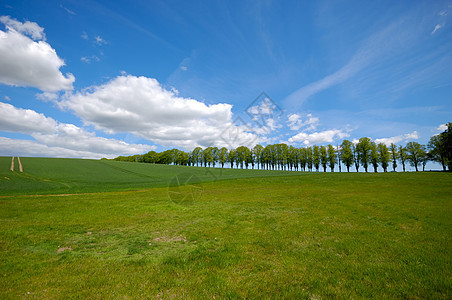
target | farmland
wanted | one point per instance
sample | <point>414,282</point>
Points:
<point>85,228</point>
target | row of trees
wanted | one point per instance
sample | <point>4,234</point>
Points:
<point>364,154</point>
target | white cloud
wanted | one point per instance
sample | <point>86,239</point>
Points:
<point>442,127</point>
<point>27,148</point>
<point>25,121</point>
<point>141,106</point>
<point>183,68</point>
<point>47,96</point>
<point>7,98</point>
<point>53,137</point>
<point>99,41</point>
<point>327,136</point>
<point>84,36</point>
<point>395,139</point>
<point>24,62</point>
<point>295,122</point>
<point>89,59</point>
<point>31,29</point>
<point>438,26</point>
<point>68,10</point>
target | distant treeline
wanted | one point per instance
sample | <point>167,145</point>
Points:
<point>363,154</point>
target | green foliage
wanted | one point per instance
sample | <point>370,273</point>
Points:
<point>347,154</point>
<point>415,153</point>
<point>282,157</point>
<point>394,155</point>
<point>440,148</point>
<point>402,156</point>
<point>316,157</point>
<point>374,156</point>
<point>331,157</point>
<point>364,149</point>
<point>323,157</point>
<point>383,156</point>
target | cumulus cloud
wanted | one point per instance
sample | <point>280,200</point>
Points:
<point>16,147</point>
<point>141,106</point>
<point>442,127</point>
<point>26,61</point>
<point>47,96</point>
<point>327,136</point>
<point>265,112</point>
<point>53,137</point>
<point>25,121</point>
<point>31,29</point>
<point>395,139</point>
<point>296,122</point>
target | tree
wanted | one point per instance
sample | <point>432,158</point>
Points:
<point>347,153</point>
<point>437,150</point>
<point>207,156</point>
<point>316,157</point>
<point>292,157</point>
<point>231,157</point>
<point>150,157</point>
<point>440,148</point>
<point>331,157</point>
<point>303,158</point>
<point>323,157</point>
<point>223,156</point>
<point>214,159</point>
<point>356,156</point>
<point>394,154</point>
<point>257,152</point>
<point>383,155</point>
<point>282,155</point>
<point>248,157</point>
<point>364,150</point>
<point>446,138</point>
<point>339,157</point>
<point>309,158</point>
<point>243,156</point>
<point>402,156</point>
<point>425,157</point>
<point>415,152</point>
<point>374,158</point>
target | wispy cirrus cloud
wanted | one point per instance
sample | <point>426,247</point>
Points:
<point>438,26</point>
<point>390,42</point>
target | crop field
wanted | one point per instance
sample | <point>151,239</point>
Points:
<point>103,229</point>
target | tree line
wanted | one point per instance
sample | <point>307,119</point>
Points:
<point>364,154</point>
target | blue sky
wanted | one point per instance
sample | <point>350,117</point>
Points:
<point>98,79</point>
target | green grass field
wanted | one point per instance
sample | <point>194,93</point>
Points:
<point>67,176</point>
<point>251,234</point>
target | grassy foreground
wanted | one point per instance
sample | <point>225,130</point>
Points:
<point>306,236</point>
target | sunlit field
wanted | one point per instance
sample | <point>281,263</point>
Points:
<point>95,229</point>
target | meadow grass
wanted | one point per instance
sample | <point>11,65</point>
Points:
<point>306,236</point>
<point>68,176</point>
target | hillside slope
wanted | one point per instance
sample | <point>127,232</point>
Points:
<point>63,175</point>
